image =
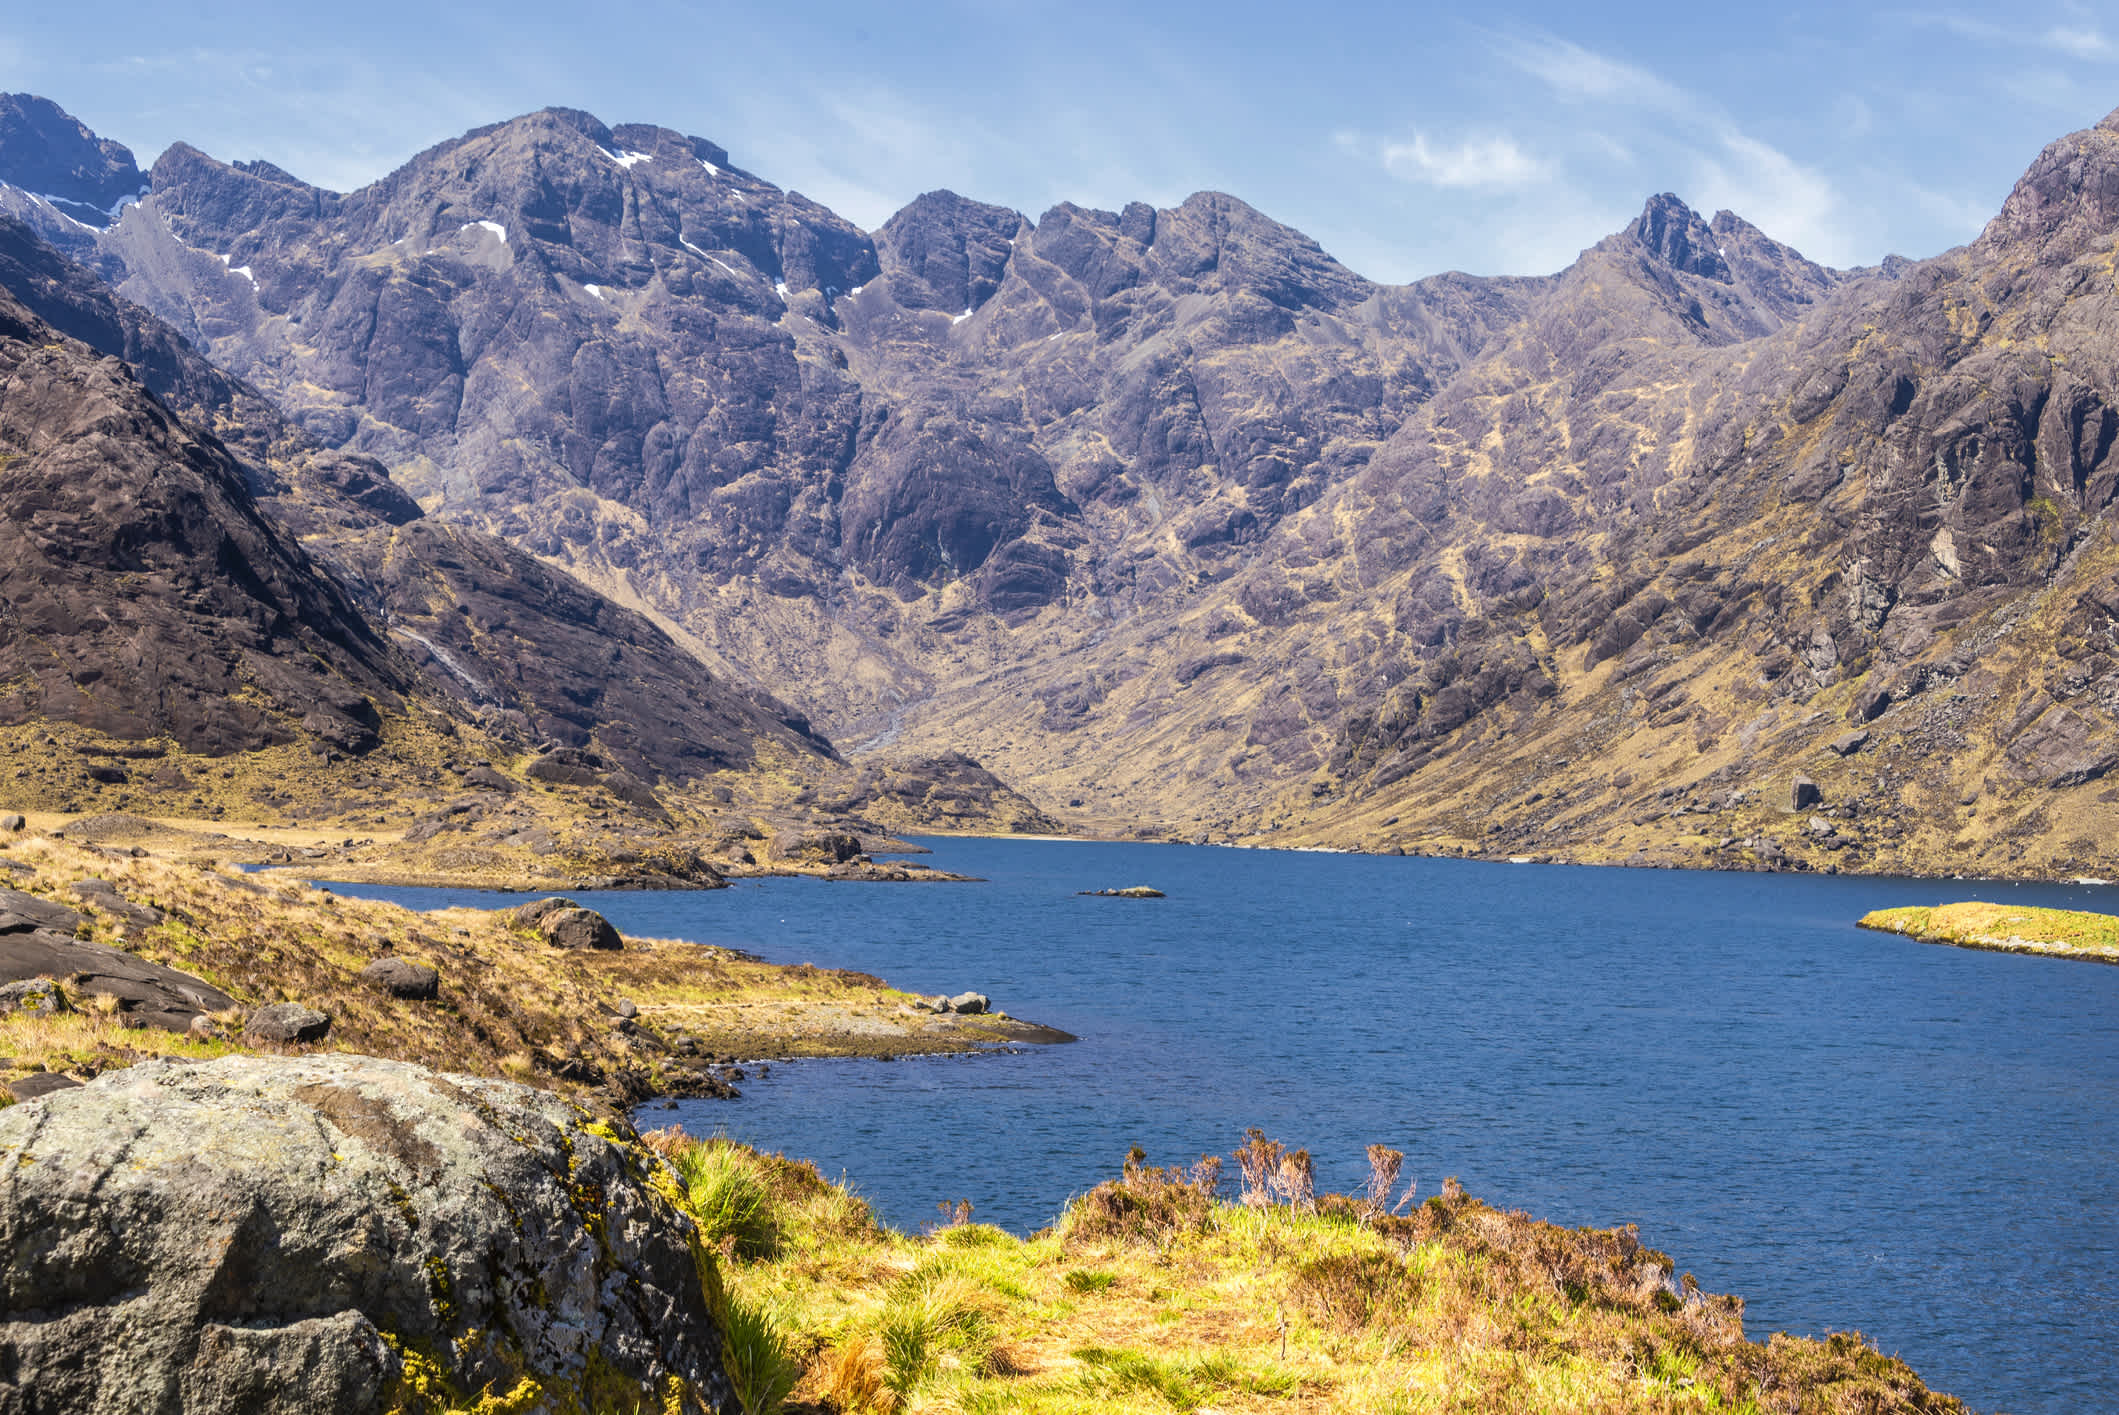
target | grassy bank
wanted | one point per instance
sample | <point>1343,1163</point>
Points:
<point>1153,1293</point>
<point>509,1004</point>
<point>2009,928</point>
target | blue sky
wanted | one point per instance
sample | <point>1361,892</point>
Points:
<point>1407,139</point>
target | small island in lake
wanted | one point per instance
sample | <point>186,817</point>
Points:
<point>2007,928</point>
<point>1135,891</point>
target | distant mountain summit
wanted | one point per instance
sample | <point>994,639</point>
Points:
<point>51,156</point>
<point>1168,513</point>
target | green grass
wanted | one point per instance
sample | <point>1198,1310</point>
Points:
<point>1152,1295</point>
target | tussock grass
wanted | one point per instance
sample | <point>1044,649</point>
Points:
<point>1152,1294</point>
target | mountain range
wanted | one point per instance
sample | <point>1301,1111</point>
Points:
<point>1695,552</point>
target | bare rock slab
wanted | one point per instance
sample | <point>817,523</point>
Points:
<point>243,1235</point>
<point>36,941</point>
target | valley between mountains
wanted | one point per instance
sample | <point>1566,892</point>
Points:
<point>720,530</point>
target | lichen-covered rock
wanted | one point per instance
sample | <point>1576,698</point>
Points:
<point>834,847</point>
<point>39,995</point>
<point>314,1234</point>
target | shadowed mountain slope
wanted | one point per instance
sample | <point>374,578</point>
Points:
<point>328,550</point>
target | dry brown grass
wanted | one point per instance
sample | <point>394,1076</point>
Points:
<point>510,1005</point>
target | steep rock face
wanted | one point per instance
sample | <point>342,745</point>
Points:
<point>523,646</point>
<point>146,593</point>
<point>60,177</point>
<point>1906,492</point>
<point>946,253</point>
<point>506,634</point>
<point>620,351</point>
<point>261,1234</point>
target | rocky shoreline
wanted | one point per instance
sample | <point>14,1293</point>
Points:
<point>110,955</point>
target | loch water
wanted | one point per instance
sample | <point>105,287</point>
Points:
<point>1851,1130</point>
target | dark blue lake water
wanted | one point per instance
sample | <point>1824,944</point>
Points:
<point>1852,1130</point>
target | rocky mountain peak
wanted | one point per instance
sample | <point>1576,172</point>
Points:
<point>1674,234</point>
<point>2067,199</point>
<point>946,252</point>
<point>46,151</point>
<point>1214,241</point>
<point>1775,275</point>
<point>216,199</point>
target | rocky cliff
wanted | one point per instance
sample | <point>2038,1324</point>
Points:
<point>329,565</point>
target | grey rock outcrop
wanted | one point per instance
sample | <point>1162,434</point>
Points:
<point>532,915</point>
<point>38,995</point>
<point>287,1023</point>
<point>401,977</point>
<point>580,928</point>
<point>565,924</point>
<point>268,1234</point>
<point>37,942</point>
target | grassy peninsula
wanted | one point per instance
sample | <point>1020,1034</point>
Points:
<point>1154,1292</point>
<point>2007,928</point>
<point>507,1003</point>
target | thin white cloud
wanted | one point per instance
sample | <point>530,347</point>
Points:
<point>1685,141</point>
<point>2071,36</point>
<point>1583,74</point>
<point>2082,43</point>
<point>1491,161</point>
<point>1781,196</point>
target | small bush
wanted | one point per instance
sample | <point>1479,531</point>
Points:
<point>1146,1205</point>
<point>1087,1280</point>
<point>974,1235</point>
<point>1352,1291</point>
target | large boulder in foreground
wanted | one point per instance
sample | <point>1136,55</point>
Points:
<point>319,1234</point>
